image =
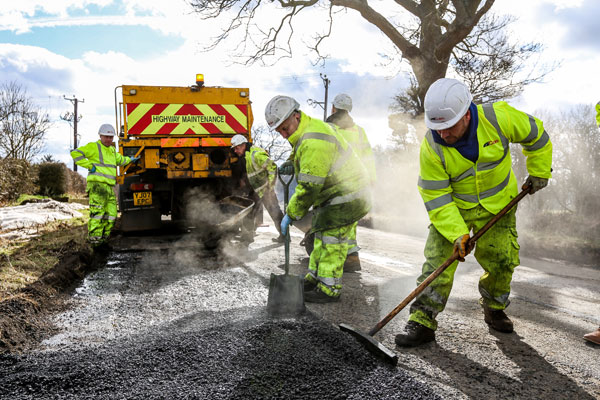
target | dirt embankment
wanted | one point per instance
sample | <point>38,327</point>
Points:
<point>24,316</point>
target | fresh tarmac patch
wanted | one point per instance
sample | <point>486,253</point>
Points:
<point>245,355</point>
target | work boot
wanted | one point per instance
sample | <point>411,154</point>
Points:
<point>416,335</point>
<point>593,337</point>
<point>497,319</point>
<point>352,263</point>
<point>318,296</point>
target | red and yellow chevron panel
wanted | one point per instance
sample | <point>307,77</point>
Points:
<point>186,119</point>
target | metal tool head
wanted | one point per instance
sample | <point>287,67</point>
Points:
<point>286,295</point>
<point>371,344</point>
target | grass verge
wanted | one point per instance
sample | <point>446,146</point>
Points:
<point>23,261</point>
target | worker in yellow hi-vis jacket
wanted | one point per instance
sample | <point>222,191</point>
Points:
<point>101,159</point>
<point>261,173</point>
<point>331,180</point>
<point>357,139</point>
<point>465,179</point>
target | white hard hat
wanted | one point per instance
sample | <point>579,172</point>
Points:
<point>237,140</point>
<point>343,102</point>
<point>106,130</point>
<point>279,109</point>
<point>446,101</point>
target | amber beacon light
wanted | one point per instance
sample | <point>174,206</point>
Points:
<point>200,80</point>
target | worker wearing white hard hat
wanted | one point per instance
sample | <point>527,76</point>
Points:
<point>357,138</point>
<point>332,181</point>
<point>260,172</point>
<point>342,102</point>
<point>465,179</point>
<point>101,159</point>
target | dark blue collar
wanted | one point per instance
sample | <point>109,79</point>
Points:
<point>471,130</point>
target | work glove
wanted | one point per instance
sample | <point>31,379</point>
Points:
<point>461,247</point>
<point>134,159</point>
<point>93,169</point>
<point>536,183</point>
<point>287,168</point>
<point>285,222</point>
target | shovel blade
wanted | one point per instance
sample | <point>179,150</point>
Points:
<point>286,295</point>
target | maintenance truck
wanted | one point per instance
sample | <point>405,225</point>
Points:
<point>183,138</point>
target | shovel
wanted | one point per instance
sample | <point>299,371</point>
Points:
<point>286,292</point>
<point>367,338</point>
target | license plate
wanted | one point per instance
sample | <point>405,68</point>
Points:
<point>142,198</point>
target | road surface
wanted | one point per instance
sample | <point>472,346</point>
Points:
<point>167,318</point>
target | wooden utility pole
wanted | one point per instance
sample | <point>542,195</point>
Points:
<point>323,104</point>
<point>73,118</point>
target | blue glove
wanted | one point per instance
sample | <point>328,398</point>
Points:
<point>93,169</point>
<point>287,168</point>
<point>285,222</point>
<point>134,159</point>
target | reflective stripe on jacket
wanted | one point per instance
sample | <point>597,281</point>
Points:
<point>449,181</point>
<point>357,139</point>
<point>261,170</point>
<point>104,158</point>
<point>330,176</point>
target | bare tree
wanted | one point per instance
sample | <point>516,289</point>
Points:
<point>271,141</point>
<point>22,124</point>
<point>492,66</point>
<point>430,34</point>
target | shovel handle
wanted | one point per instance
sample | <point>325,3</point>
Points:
<point>286,194</point>
<point>447,263</point>
<point>286,188</point>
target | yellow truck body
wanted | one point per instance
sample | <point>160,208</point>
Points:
<point>183,138</point>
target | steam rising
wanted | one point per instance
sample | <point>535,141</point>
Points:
<point>397,205</point>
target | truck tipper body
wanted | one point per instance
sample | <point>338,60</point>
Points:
<point>183,138</point>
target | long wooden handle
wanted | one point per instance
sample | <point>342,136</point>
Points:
<point>447,263</point>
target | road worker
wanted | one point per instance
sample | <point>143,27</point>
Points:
<point>261,173</point>
<point>101,159</point>
<point>598,114</point>
<point>333,181</point>
<point>357,139</point>
<point>465,179</point>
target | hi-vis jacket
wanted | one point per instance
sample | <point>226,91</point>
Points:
<point>261,170</point>
<point>448,181</point>
<point>105,158</point>
<point>330,176</point>
<point>598,114</point>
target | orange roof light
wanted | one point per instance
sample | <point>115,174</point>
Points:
<point>200,80</point>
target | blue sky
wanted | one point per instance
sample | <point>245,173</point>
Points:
<point>138,42</point>
<point>86,48</point>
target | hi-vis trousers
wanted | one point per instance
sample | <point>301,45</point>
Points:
<point>103,212</point>
<point>497,251</point>
<point>326,264</point>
